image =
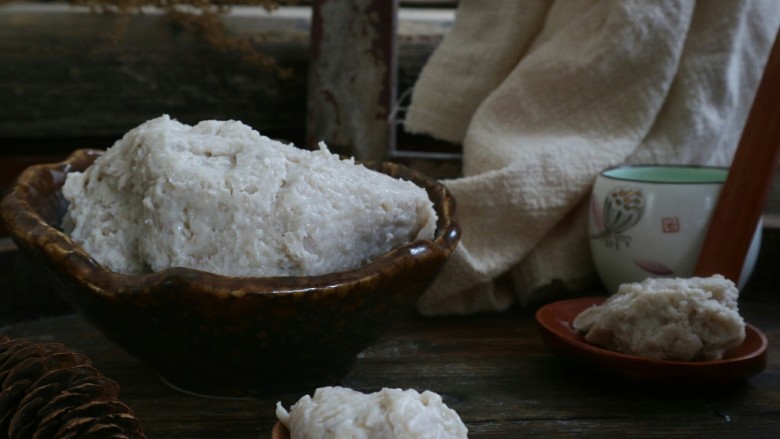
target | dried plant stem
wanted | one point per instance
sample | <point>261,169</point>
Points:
<point>203,17</point>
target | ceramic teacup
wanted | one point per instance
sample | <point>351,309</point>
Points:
<point>651,221</point>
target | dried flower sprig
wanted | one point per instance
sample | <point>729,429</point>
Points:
<point>202,16</point>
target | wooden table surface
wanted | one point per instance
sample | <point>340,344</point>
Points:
<point>493,369</point>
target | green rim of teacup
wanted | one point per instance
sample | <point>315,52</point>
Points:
<point>666,174</point>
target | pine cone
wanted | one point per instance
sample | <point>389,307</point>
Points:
<point>46,391</point>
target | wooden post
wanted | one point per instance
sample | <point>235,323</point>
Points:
<point>352,76</point>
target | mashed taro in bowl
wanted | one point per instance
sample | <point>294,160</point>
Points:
<point>340,412</point>
<point>220,197</point>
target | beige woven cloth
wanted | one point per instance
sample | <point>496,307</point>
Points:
<point>544,94</point>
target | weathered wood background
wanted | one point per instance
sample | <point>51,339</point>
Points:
<point>68,73</point>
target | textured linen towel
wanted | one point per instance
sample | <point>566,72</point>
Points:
<point>545,94</point>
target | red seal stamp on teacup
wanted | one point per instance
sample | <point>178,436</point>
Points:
<point>670,225</point>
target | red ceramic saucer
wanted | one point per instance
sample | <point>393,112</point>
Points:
<point>280,431</point>
<point>554,321</point>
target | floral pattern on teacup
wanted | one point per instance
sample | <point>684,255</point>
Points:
<point>653,267</point>
<point>622,209</point>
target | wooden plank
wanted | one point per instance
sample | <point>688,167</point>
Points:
<point>492,369</point>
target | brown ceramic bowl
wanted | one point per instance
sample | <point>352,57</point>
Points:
<point>230,336</point>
